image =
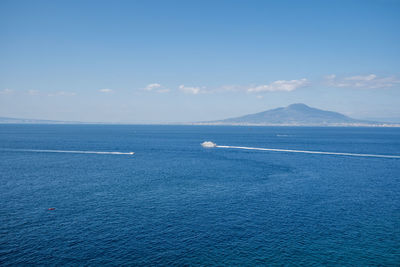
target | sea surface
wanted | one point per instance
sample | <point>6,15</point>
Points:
<point>176,203</point>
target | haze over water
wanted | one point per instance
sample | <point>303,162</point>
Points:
<point>176,203</point>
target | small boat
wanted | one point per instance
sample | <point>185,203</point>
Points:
<point>208,144</point>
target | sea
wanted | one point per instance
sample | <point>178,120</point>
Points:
<point>176,203</point>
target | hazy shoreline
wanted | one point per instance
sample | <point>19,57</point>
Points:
<point>383,125</point>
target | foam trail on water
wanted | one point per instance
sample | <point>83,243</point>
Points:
<point>312,152</point>
<point>72,151</point>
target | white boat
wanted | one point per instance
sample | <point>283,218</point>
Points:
<point>208,144</point>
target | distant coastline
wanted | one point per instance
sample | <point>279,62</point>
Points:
<point>298,125</point>
<point>294,115</point>
<point>379,125</point>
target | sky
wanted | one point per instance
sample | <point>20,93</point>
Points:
<point>182,61</point>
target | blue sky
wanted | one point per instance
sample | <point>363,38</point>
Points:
<point>177,61</point>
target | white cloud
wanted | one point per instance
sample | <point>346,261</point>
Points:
<point>33,92</point>
<point>156,87</point>
<point>370,81</point>
<point>361,78</point>
<point>6,91</point>
<point>280,85</point>
<point>330,77</point>
<point>106,90</point>
<point>66,93</point>
<point>152,86</point>
<point>189,89</point>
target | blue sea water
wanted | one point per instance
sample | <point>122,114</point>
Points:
<point>177,203</point>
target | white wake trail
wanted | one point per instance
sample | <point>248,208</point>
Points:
<point>209,144</point>
<point>73,151</point>
<point>312,152</point>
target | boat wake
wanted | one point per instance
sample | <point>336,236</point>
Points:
<point>72,151</point>
<point>210,144</point>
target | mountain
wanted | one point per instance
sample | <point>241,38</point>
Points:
<point>296,115</point>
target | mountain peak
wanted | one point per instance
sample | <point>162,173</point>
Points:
<point>298,106</point>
